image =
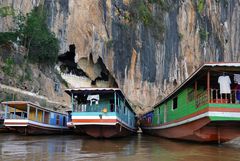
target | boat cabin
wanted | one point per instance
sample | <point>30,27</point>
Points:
<point>101,101</point>
<point>23,110</point>
<point>213,85</point>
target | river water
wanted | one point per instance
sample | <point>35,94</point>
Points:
<point>134,148</point>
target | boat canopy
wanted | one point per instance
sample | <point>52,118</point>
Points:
<point>96,91</point>
<point>203,69</point>
<point>22,105</point>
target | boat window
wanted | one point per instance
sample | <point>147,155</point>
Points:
<point>52,115</point>
<point>57,120</point>
<point>174,104</point>
<point>111,105</point>
<point>64,121</point>
<point>190,95</point>
<point>46,117</point>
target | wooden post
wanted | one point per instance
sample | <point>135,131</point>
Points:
<point>208,86</point>
<point>36,115</point>
<point>28,111</point>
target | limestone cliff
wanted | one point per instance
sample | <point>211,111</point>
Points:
<point>146,62</point>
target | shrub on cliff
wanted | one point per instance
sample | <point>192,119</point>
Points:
<point>40,41</point>
<point>141,11</point>
<point>32,32</point>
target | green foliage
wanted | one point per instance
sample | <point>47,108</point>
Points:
<point>203,34</point>
<point>110,43</point>
<point>42,44</point>
<point>8,67</point>
<point>180,36</point>
<point>200,5</point>
<point>144,14</point>
<point>140,11</point>
<point>7,36</point>
<point>6,11</point>
<point>33,33</point>
<point>20,20</point>
<point>17,34</point>
<point>162,3</point>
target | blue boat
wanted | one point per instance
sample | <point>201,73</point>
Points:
<point>101,112</point>
<point>28,118</point>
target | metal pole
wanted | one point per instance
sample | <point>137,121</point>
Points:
<point>43,116</point>
<point>208,86</point>
<point>6,111</point>
<point>115,102</point>
<point>72,101</point>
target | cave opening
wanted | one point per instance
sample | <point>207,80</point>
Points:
<point>86,69</point>
<point>104,74</point>
<point>68,62</point>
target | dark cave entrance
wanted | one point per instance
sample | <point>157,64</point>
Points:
<point>68,65</point>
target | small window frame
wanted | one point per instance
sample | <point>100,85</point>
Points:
<point>175,103</point>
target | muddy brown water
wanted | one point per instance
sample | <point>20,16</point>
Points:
<point>134,148</point>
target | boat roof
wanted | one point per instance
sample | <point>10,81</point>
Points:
<point>220,67</point>
<point>22,104</point>
<point>92,89</point>
<point>97,91</point>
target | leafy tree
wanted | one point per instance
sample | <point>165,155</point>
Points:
<point>41,43</point>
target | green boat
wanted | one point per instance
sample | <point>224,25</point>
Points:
<point>204,108</point>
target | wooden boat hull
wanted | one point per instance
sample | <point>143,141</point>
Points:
<point>27,127</point>
<point>104,131</point>
<point>202,130</point>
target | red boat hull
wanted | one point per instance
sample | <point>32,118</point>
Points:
<point>104,131</point>
<point>202,130</point>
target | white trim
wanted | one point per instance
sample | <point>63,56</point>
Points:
<point>94,117</point>
<point>236,64</point>
<point>207,114</point>
<point>92,123</point>
<point>93,89</point>
<point>6,121</point>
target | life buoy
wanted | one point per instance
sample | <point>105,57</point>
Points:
<point>104,110</point>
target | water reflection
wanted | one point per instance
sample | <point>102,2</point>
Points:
<point>140,148</point>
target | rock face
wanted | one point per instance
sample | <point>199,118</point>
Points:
<point>146,65</point>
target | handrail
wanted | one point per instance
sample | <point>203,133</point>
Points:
<point>233,97</point>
